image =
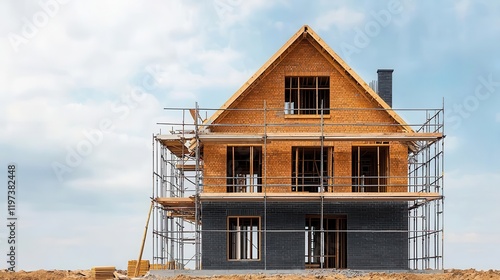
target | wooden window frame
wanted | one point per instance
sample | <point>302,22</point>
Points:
<point>231,186</point>
<point>327,174</point>
<point>298,96</point>
<point>339,255</point>
<point>383,165</point>
<point>228,238</point>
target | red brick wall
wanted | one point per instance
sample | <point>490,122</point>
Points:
<point>343,167</point>
<point>214,169</point>
<point>304,60</point>
<point>398,160</point>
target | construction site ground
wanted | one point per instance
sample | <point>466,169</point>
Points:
<point>311,274</point>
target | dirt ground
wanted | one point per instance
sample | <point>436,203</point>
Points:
<point>447,275</point>
<point>45,275</point>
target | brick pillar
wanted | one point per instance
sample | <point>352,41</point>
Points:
<point>342,167</point>
<point>398,160</point>
<point>214,168</point>
<point>278,167</point>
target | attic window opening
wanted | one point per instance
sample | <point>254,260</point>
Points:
<point>307,95</point>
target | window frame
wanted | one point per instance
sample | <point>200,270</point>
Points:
<point>378,169</point>
<point>230,180</point>
<point>298,160</point>
<point>228,238</point>
<point>298,90</point>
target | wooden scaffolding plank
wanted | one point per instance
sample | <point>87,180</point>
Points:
<point>328,196</point>
<point>189,167</point>
<point>179,207</point>
<point>175,143</point>
<point>256,138</point>
<point>176,202</point>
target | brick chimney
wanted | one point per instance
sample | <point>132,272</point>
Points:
<point>385,85</point>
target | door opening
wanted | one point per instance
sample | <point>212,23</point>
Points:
<point>326,248</point>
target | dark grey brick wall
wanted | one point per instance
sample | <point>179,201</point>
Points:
<point>285,250</point>
<point>385,85</point>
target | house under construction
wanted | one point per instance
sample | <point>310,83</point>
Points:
<point>305,166</point>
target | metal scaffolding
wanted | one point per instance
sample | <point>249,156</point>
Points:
<point>178,179</point>
<point>426,218</point>
<point>177,173</point>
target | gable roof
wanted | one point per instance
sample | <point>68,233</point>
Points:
<point>303,32</point>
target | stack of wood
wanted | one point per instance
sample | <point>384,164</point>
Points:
<point>103,272</point>
<point>168,265</point>
<point>143,268</point>
<point>157,266</point>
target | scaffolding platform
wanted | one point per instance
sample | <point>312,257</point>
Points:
<point>259,138</point>
<point>176,143</point>
<point>326,196</point>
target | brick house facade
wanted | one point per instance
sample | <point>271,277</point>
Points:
<point>305,166</point>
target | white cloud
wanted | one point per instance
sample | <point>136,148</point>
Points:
<point>82,68</point>
<point>462,8</point>
<point>340,18</point>
<point>107,238</point>
<point>232,12</point>
<point>86,41</point>
<point>215,71</point>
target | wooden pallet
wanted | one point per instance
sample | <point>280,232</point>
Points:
<point>103,272</point>
<point>143,268</point>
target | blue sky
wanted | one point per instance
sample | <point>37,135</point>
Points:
<point>83,84</point>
